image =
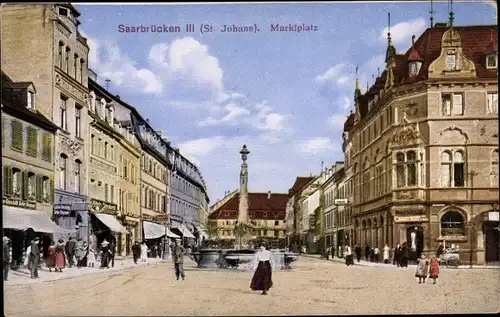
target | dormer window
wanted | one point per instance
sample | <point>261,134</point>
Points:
<point>415,68</point>
<point>63,11</point>
<point>451,60</point>
<point>491,61</point>
<point>31,100</point>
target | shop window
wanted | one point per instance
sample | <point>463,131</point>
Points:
<point>452,224</point>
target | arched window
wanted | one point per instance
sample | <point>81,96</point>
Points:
<point>68,50</point>
<point>452,169</point>
<point>78,166</point>
<point>452,224</point>
<point>494,169</point>
<point>75,66</point>
<point>63,167</point>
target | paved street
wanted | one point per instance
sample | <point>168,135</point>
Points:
<point>313,287</point>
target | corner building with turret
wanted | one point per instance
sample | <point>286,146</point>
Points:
<point>422,146</point>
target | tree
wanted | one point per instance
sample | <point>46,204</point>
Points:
<point>213,232</point>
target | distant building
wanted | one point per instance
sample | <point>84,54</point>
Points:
<point>423,146</point>
<point>266,212</point>
<point>292,210</point>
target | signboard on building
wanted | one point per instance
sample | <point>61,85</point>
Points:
<point>62,209</point>
<point>161,218</point>
<point>102,207</point>
<point>341,201</point>
<point>19,203</point>
<point>493,216</point>
<point>410,219</point>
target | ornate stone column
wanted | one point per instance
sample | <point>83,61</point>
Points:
<point>243,199</point>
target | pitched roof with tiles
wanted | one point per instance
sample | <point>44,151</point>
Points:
<point>300,183</point>
<point>477,41</point>
<point>260,206</point>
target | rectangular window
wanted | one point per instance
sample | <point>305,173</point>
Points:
<point>62,116</point>
<point>78,113</point>
<point>82,66</point>
<point>47,147</point>
<point>60,55</point>
<point>32,148</point>
<point>31,100</point>
<point>92,144</point>
<point>491,61</point>
<point>105,150</point>
<point>106,194</point>
<point>17,135</point>
<point>75,66</point>
<point>111,193</point>
<point>492,103</point>
<point>452,104</point>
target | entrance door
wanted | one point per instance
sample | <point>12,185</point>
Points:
<point>492,241</point>
<point>415,233</point>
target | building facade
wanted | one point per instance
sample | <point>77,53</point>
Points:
<point>114,172</point>
<point>57,64</point>
<point>266,212</point>
<point>309,212</point>
<point>424,146</point>
<point>188,198</point>
<point>293,211</point>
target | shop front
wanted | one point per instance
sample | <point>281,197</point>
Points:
<point>411,229</point>
<point>22,222</point>
<point>488,238</point>
<point>106,225</point>
<point>71,213</point>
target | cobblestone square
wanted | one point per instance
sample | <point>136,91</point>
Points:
<point>313,287</point>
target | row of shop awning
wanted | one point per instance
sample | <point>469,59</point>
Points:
<point>154,231</point>
<point>22,219</point>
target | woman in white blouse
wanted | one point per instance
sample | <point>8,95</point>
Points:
<point>262,278</point>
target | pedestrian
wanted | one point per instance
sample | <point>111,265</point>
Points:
<point>372,254</point>
<point>357,250</point>
<point>50,260</point>
<point>60,260</point>
<point>112,253</point>
<point>386,254</point>
<point>105,253</point>
<point>85,253</point>
<point>376,254</point>
<point>144,251</point>
<point>434,268</point>
<point>422,269</point>
<point>178,253</point>
<point>404,254</point>
<point>70,251</point>
<point>397,255</point>
<point>367,253</point>
<point>440,250</point>
<point>348,256</point>
<point>34,258</point>
<point>91,257</point>
<point>6,258</point>
<point>262,278</point>
<point>79,253</point>
<point>136,251</point>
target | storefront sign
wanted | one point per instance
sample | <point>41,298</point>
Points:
<point>161,218</point>
<point>410,219</point>
<point>19,203</point>
<point>102,207</point>
<point>62,209</point>
<point>493,216</point>
<point>340,201</point>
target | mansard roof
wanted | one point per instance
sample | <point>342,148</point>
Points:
<point>259,207</point>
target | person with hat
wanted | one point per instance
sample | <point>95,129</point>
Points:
<point>136,251</point>
<point>6,258</point>
<point>178,253</point>
<point>105,254</point>
<point>34,257</point>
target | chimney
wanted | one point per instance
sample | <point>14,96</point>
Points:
<point>268,194</point>
<point>147,121</point>
<point>117,97</point>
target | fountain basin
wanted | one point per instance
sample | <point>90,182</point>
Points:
<point>208,258</point>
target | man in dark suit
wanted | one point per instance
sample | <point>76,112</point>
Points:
<point>34,257</point>
<point>70,251</point>
<point>178,252</point>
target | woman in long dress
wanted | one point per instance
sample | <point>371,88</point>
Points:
<point>386,254</point>
<point>91,257</point>
<point>105,254</point>
<point>422,269</point>
<point>144,251</point>
<point>50,260</point>
<point>60,260</point>
<point>262,278</point>
<point>434,268</point>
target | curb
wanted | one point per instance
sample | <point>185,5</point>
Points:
<point>98,271</point>
<point>461,267</point>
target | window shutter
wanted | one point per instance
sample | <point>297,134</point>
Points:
<point>458,107</point>
<point>39,187</point>
<point>3,131</point>
<point>32,149</point>
<point>7,184</point>
<point>47,147</point>
<point>17,135</point>
<point>24,185</point>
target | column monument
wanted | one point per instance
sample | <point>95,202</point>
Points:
<point>243,227</point>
